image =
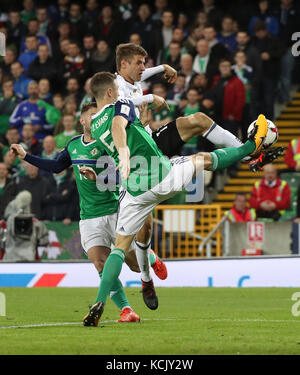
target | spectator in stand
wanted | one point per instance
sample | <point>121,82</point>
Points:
<point>160,6</point>
<point>8,102</point>
<point>240,213</point>
<point>43,66</point>
<point>73,88</point>
<point>135,39</point>
<point>163,116</point>
<point>37,185</point>
<point>59,12</point>
<point>77,26</point>
<point>175,93</point>
<point>15,29</point>
<point>227,35</point>
<point>12,164</point>
<point>288,16</point>
<point>253,60</point>
<point>205,62</point>
<point>58,101</point>
<point>4,179</point>
<point>33,29</point>
<point>68,121</point>
<point>28,12</point>
<point>32,108</point>
<point>109,28</point>
<point>49,148</point>
<point>88,97</point>
<point>44,90</point>
<point>21,82</point>
<point>244,73</point>
<point>103,59</point>
<point>45,24</point>
<point>162,35</point>
<point>63,33</point>
<point>75,64</point>
<point>143,25</point>
<point>70,106</point>
<point>191,42</point>
<point>292,155</point>
<point>228,93</point>
<point>213,13</point>
<point>177,36</point>
<point>271,50</point>
<point>174,55</point>
<point>12,136</point>
<point>90,14</point>
<point>192,106</point>
<point>270,195</point>
<point>8,59</point>
<point>27,57</point>
<point>263,13</point>
<point>182,23</point>
<point>58,202</point>
<point>217,50</point>
<point>89,45</point>
<point>63,51</point>
<point>28,141</point>
<point>186,68</point>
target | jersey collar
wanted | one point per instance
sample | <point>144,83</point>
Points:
<point>88,143</point>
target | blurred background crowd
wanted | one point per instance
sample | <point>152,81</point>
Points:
<point>233,60</point>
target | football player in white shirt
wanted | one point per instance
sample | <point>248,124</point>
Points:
<point>131,71</point>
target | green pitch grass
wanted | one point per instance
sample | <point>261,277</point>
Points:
<point>188,321</point>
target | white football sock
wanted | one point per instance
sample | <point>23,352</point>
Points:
<point>142,255</point>
<point>222,138</point>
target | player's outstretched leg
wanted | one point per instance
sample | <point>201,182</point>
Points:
<point>225,157</point>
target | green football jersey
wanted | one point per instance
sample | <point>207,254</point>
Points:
<point>95,198</point>
<point>148,166</point>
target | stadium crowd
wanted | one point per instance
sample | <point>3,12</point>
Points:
<point>233,60</point>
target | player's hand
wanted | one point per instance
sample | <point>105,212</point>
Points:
<point>145,114</point>
<point>18,150</point>
<point>124,165</point>
<point>170,73</point>
<point>159,103</point>
<point>88,173</point>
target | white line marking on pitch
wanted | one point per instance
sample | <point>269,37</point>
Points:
<point>170,319</point>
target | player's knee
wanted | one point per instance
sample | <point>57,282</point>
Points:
<point>200,120</point>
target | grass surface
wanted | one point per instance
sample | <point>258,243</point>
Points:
<point>188,321</point>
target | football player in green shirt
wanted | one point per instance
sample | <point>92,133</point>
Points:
<point>148,177</point>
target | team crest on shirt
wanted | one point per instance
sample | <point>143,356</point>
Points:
<point>94,152</point>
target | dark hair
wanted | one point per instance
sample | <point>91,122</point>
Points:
<point>101,82</point>
<point>12,128</point>
<point>259,25</point>
<point>127,51</point>
<point>87,106</point>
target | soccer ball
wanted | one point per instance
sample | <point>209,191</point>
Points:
<point>272,134</point>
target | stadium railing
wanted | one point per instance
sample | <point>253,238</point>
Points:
<point>179,230</point>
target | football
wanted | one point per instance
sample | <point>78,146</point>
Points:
<point>272,134</point>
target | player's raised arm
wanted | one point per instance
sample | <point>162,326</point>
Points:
<point>169,73</point>
<point>57,165</point>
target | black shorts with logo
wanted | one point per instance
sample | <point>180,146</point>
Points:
<point>168,139</point>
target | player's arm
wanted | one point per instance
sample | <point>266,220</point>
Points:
<point>119,136</point>
<point>57,165</point>
<point>170,73</point>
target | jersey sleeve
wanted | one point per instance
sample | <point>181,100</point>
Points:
<point>57,165</point>
<point>125,108</point>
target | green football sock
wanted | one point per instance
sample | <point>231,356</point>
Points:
<point>117,294</point>
<point>225,157</point>
<point>152,258</point>
<point>111,272</point>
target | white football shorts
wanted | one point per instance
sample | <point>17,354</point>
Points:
<point>133,211</point>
